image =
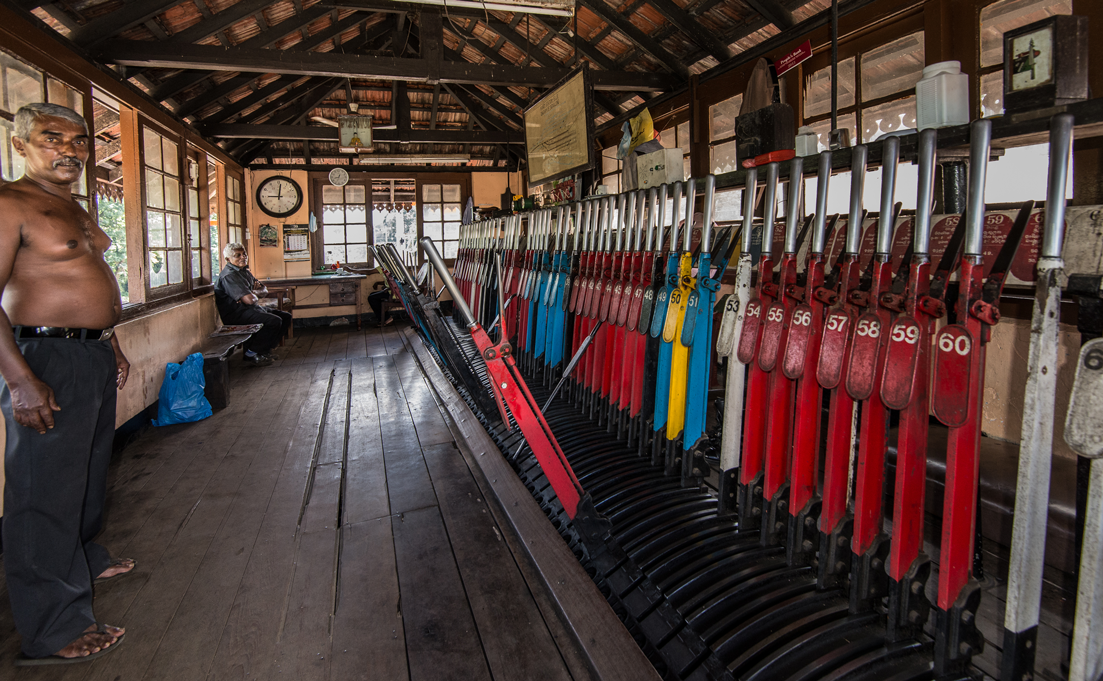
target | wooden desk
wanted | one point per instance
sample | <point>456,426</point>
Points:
<point>344,289</point>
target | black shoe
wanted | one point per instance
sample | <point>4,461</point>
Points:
<point>258,361</point>
<point>272,356</point>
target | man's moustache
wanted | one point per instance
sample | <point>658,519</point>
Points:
<point>68,162</point>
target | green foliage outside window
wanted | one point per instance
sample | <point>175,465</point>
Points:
<point>113,221</point>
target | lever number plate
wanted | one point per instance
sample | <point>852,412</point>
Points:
<point>796,348</point>
<point>1084,423</point>
<point>836,333</point>
<point>748,340</point>
<point>953,375</point>
<point>771,337</point>
<point>864,352</point>
<point>901,358</point>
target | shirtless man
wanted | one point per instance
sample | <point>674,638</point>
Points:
<point>62,365</point>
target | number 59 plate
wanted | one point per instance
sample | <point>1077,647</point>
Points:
<point>1084,424</point>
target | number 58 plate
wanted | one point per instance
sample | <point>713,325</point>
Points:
<point>1084,423</point>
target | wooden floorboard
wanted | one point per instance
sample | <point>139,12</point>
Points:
<point>442,642</point>
<point>322,527</point>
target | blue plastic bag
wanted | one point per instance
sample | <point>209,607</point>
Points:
<point>181,398</point>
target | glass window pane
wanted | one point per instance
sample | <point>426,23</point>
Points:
<point>112,220</point>
<point>450,249</point>
<point>451,192</point>
<point>331,194</point>
<point>683,137</point>
<point>11,163</point>
<point>1001,17</point>
<point>158,275</point>
<point>356,234</point>
<point>155,190</point>
<point>728,205</point>
<point>334,254</point>
<point>175,266</point>
<point>432,230</point>
<point>235,189</point>
<point>193,202</point>
<point>174,236</point>
<point>894,67</point>
<point>172,193</point>
<point>58,92</point>
<point>609,161</point>
<point>823,130</point>
<point>817,89</point>
<point>356,213</point>
<point>24,83</point>
<point>355,193</point>
<point>991,94</point>
<point>168,157</point>
<point>333,215</point>
<point>152,147</point>
<point>722,117</point>
<point>216,250</point>
<point>451,230</point>
<point>333,234</point>
<point>234,210</point>
<point>357,252</point>
<point>432,212</point>
<point>724,158</point>
<point>452,211</point>
<point>155,228</point>
<point>430,193</point>
<point>877,120</point>
<point>196,265</point>
<point>193,233</point>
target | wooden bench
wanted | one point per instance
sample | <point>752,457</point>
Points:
<point>216,371</point>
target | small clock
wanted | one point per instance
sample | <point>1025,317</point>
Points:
<point>279,196</point>
<point>338,177</point>
<point>1045,63</point>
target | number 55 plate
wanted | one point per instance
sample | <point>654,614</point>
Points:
<point>1084,424</point>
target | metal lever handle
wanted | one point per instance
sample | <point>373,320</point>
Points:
<point>446,276</point>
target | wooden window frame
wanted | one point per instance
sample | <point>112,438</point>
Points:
<point>463,180</point>
<point>317,240</point>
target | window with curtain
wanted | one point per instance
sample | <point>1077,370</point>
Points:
<point>394,216</point>
<point>441,213</point>
<point>722,142</point>
<point>234,215</point>
<point>344,225</point>
<point>876,91</point>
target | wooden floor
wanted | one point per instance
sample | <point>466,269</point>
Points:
<point>323,526</point>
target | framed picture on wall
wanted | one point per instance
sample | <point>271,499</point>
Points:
<point>269,235</point>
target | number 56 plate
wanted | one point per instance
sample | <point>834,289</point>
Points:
<point>1084,424</point>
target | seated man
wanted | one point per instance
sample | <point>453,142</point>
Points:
<point>236,294</point>
<point>376,300</point>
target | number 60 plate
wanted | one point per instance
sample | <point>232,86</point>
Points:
<point>953,375</point>
<point>1084,423</point>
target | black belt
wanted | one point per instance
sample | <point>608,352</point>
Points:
<point>61,332</point>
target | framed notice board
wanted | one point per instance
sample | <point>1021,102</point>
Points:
<point>558,130</point>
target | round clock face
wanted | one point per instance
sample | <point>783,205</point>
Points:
<point>338,177</point>
<point>279,196</point>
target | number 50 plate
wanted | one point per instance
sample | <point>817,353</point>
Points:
<point>1084,424</point>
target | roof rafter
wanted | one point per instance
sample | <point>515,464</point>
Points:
<point>646,42</point>
<point>134,14</point>
<point>209,58</point>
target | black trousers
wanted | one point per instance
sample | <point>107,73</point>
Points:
<point>276,323</point>
<point>54,493</point>
<point>376,300</point>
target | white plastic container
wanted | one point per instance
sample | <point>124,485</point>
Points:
<point>942,96</point>
<point>808,143</point>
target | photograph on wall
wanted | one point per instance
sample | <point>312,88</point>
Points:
<point>269,235</point>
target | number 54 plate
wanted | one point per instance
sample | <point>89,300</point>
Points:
<point>1084,423</point>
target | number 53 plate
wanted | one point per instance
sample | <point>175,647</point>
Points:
<point>1084,424</point>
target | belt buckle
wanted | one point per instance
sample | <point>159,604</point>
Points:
<point>106,334</point>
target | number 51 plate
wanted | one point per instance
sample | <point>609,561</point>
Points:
<point>1084,424</point>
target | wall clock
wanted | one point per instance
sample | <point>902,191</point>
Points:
<point>279,196</point>
<point>338,177</point>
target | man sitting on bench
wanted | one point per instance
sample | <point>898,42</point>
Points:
<point>236,295</point>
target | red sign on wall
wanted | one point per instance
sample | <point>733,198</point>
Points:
<point>793,58</point>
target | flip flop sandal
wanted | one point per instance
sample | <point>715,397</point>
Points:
<point>117,562</point>
<point>23,661</point>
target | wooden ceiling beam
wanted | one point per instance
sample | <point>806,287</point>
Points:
<point>211,58</point>
<point>325,133</point>
<point>266,38</point>
<point>705,38</point>
<point>773,12</point>
<point>644,41</point>
<point>111,24</point>
<point>474,111</point>
<point>494,105</point>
